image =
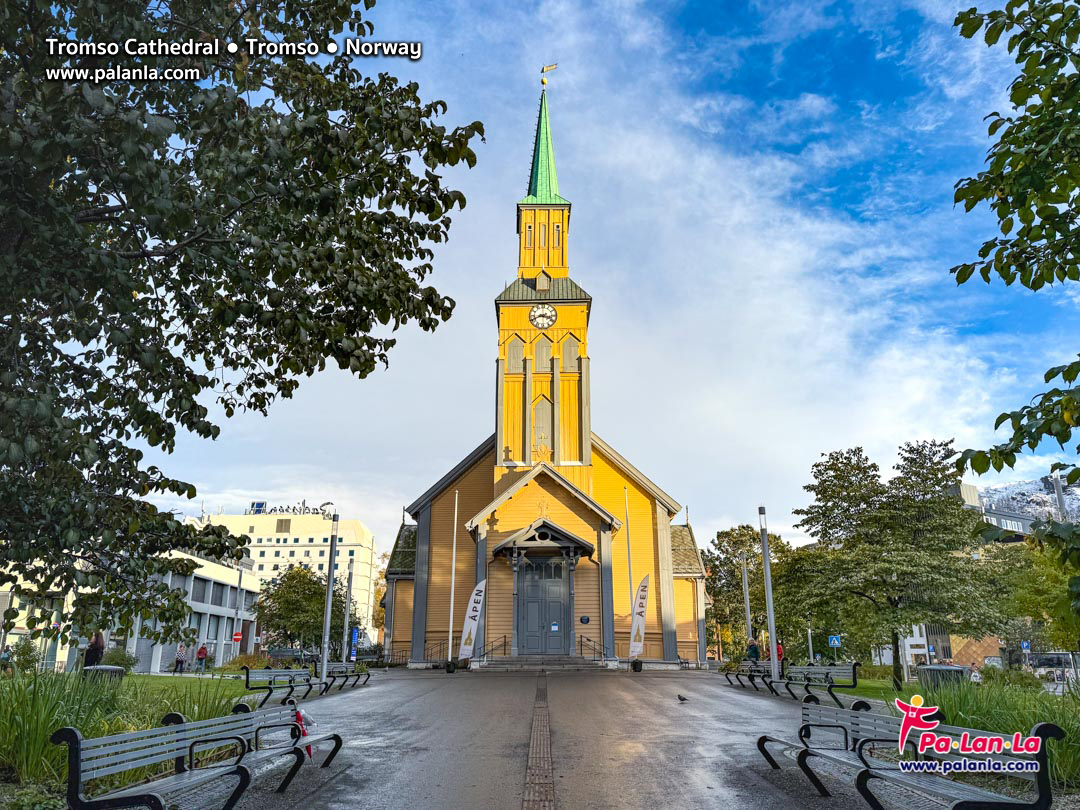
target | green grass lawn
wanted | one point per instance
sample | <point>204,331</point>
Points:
<point>163,686</point>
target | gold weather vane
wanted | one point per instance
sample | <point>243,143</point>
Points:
<point>546,69</point>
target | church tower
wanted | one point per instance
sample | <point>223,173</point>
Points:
<point>542,391</point>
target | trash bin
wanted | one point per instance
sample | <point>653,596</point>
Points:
<point>103,672</point>
<point>938,674</point>
<point>635,665</point>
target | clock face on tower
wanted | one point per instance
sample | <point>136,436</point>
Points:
<point>542,316</point>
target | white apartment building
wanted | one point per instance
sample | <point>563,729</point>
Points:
<point>284,536</point>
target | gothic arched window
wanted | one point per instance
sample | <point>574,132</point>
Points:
<point>515,351</point>
<point>542,424</point>
<point>542,355</point>
<point>571,354</point>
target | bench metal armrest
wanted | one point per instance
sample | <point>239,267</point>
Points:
<point>879,767</point>
<point>295,727</point>
<point>807,726</point>
<point>228,738</point>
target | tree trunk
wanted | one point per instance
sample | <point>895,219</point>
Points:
<point>897,667</point>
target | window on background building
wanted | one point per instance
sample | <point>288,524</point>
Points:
<point>307,552</point>
<point>321,568</point>
<point>296,539</point>
<point>276,567</point>
<point>322,552</point>
<point>277,553</point>
<point>232,597</point>
<point>249,599</point>
<point>261,566</point>
<point>351,554</point>
<point>251,529</point>
<point>262,553</point>
<point>284,525</point>
<point>198,590</point>
<point>326,539</point>
<point>218,595</point>
<point>292,553</point>
<point>311,539</point>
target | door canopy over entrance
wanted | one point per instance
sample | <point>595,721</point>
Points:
<point>542,537</point>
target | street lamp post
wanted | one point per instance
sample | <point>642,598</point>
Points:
<point>774,664</point>
<point>325,657</point>
<point>746,600</point>
<point>348,604</point>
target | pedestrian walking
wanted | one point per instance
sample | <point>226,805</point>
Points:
<point>181,659</point>
<point>753,652</point>
<point>200,659</point>
<point>779,651</point>
<point>94,650</point>
<point>5,659</point>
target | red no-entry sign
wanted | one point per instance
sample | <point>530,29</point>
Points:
<point>237,636</point>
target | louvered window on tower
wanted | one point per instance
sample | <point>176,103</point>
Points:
<point>515,351</point>
<point>528,236</point>
<point>558,235</point>
<point>543,236</point>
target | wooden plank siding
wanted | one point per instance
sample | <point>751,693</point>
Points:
<point>686,617</point>
<point>608,483</point>
<point>475,490</point>
<point>541,495</point>
<point>570,416</point>
<point>403,613</point>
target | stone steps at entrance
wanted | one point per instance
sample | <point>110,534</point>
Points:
<point>526,663</point>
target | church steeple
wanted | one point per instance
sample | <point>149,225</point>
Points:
<point>542,407</point>
<point>543,179</point>
<point>543,215</point>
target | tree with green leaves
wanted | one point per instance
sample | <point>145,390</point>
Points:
<point>897,553</point>
<point>290,610</point>
<point>1031,183</point>
<point>173,252</point>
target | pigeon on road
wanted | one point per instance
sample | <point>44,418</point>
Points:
<point>682,699</point>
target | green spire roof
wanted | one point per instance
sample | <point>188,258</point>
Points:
<point>543,181</point>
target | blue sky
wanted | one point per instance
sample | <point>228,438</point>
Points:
<point>763,215</point>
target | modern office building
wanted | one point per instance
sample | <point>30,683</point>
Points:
<point>220,594</point>
<point>284,536</point>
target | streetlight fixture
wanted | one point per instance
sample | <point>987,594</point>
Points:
<point>774,664</point>
<point>329,594</point>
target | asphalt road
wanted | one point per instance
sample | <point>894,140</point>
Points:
<point>432,740</point>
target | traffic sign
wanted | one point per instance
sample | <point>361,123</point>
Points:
<point>834,641</point>
<point>931,648</point>
<point>1025,646</point>
<point>237,636</point>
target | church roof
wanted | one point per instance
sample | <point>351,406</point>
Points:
<point>403,557</point>
<point>685,559</point>
<point>560,289</point>
<point>542,467</point>
<point>543,180</point>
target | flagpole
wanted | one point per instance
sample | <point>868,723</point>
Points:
<point>453,572</point>
<point>629,568</point>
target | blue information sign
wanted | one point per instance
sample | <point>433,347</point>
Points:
<point>355,642</point>
<point>834,641</point>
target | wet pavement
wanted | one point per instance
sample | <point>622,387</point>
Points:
<point>432,740</point>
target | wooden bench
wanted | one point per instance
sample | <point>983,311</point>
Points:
<point>861,730</point>
<point>752,671</point>
<point>232,741</point>
<point>832,676</point>
<point>273,680</point>
<point>342,671</point>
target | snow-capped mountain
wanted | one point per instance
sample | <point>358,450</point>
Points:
<point>1035,499</point>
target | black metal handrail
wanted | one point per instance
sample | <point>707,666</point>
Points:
<point>587,645</point>
<point>436,651</point>
<point>492,645</point>
<point>399,657</point>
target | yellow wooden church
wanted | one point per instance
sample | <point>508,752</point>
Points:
<point>553,517</point>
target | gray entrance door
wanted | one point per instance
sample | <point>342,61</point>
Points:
<point>541,615</point>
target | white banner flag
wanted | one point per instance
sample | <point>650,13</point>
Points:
<point>472,620</point>
<point>637,624</point>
